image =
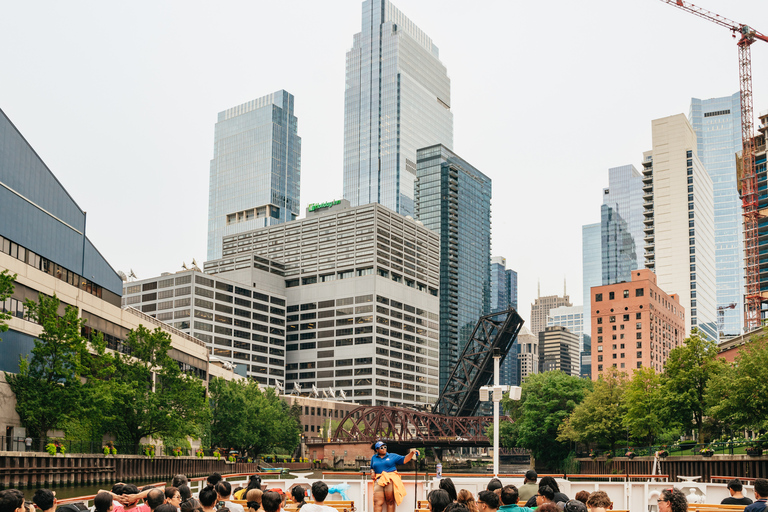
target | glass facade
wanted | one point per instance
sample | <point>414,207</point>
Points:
<point>625,195</point>
<point>717,123</point>
<point>619,257</point>
<point>504,295</point>
<point>256,169</point>
<point>453,199</point>
<point>397,100</point>
<point>592,267</point>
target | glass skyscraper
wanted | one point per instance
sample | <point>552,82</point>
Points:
<point>397,100</point>
<point>625,195</point>
<point>504,296</point>
<point>256,169</point>
<point>453,199</point>
<point>717,123</point>
<point>619,255</point>
<point>592,266</point>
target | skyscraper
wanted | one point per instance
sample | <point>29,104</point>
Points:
<point>503,296</point>
<point>625,195</point>
<point>619,257</point>
<point>717,123</point>
<point>540,310</point>
<point>591,265</point>
<point>453,199</point>
<point>397,100</point>
<point>679,222</point>
<point>255,170</point>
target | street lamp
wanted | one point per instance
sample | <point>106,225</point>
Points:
<point>496,391</point>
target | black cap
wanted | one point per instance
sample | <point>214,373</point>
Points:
<point>531,475</point>
<point>575,506</point>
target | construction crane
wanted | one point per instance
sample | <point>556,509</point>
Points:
<point>747,35</point>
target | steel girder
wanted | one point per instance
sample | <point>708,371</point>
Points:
<point>474,369</point>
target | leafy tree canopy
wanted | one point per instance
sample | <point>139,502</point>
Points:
<point>645,406</point>
<point>6,289</point>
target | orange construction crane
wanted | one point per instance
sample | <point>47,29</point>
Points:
<point>747,35</point>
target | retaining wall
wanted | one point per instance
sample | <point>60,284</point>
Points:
<point>706,467</point>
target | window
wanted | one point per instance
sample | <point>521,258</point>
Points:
<point>639,344</point>
<point>626,294</point>
<point>611,295</point>
<point>599,339</point>
<point>639,335</point>
<point>638,325</point>
<point>612,319</point>
<point>626,319</point>
<point>599,320</point>
<point>598,297</point>
<point>639,355</point>
<point>638,316</point>
<point>599,330</point>
<point>599,348</point>
<point>599,358</point>
<point>639,292</point>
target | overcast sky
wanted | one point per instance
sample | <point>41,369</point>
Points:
<point>120,100</point>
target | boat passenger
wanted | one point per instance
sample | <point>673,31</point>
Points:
<point>673,500</point>
<point>387,485</point>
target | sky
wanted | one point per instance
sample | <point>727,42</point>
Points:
<point>120,100</point>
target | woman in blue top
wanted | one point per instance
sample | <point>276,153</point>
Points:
<point>382,461</point>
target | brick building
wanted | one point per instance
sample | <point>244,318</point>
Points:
<point>634,324</point>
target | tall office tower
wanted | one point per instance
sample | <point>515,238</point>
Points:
<point>717,123</point>
<point>255,169</point>
<point>504,296</point>
<point>361,287</point>
<point>619,257</point>
<point>453,199</point>
<point>679,221</point>
<point>397,100</point>
<point>591,265</point>
<point>625,195</point>
<point>635,324</point>
<point>559,350</point>
<point>542,306</point>
<point>570,317</point>
<point>586,358</point>
<point>529,353</point>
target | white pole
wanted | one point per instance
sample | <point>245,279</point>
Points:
<point>496,399</point>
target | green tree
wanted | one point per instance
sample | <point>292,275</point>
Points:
<point>736,396</point>
<point>151,396</point>
<point>48,387</point>
<point>547,400</point>
<point>6,290</point>
<point>687,373</point>
<point>598,418</point>
<point>249,419</point>
<point>645,405</point>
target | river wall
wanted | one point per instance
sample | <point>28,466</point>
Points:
<point>696,465</point>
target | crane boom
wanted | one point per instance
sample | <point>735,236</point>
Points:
<point>753,299</point>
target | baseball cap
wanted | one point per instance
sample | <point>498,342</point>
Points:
<point>531,475</point>
<point>379,444</point>
<point>575,506</point>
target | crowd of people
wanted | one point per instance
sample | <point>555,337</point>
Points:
<point>542,495</point>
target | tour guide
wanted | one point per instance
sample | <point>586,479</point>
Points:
<point>387,485</point>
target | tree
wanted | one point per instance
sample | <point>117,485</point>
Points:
<point>547,400</point>
<point>645,406</point>
<point>151,396</point>
<point>249,419</point>
<point>598,418</point>
<point>48,386</point>
<point>6,290</point>
<point>736,396</point>
<point>686,375</point>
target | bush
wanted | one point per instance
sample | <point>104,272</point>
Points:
<point>200,453</point>
<point>149,450</point>
<point>217,454</point>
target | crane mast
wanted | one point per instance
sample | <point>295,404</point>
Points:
<point>749,197</point>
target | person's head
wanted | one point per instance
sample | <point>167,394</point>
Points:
<point>166,507</point>
<point>319,491</point>
<point>509,495</point>
<point>253,499</point>
<point>280,493</point>
<point>494,485</point>
<point>761,487</point>
<point>446,484</point>
<point>531,476</point>
<point>467,499</point>
<point>224,489</point>
<point>208,496</point>
<point>673,500</point>
<point>254,482</point>
<point>582,496</point>
<point>545,495</point>
<point>190,505</point>
<point>271,501</point>
<point>379,447</point>
<point>179,480</point>
<point>547,507</point>
<point>549,482</point>
<point>130,489</point>
<point>185,492</point>
<point>214,478</point>
<point>173,496</point>
<point>155,498</point>
<point>599,501</point>
<point>735,486</point>
<point>45,499</point>
<point>438,500</point>
<point>298,493</point>
<point>455,507</point>
<point>102,502</point>
<point>575,506</point>
<point>118,488</point>
<point>487,501</point>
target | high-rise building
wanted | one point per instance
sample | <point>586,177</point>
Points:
<point>717,123</point>
<point>528,355</point>
<point>361,288</point>
<point>625,196</point>
<point>256,167</point>
<point>559,351</point>
<point>504,296</point>
<point>397,100</point>
<point>619,257</point>
<point>570,317</point>
<point>591,265</point>
<point>542,306</point>
<point>679,221</point>
<point>453,199</point>
<point>634,325</point>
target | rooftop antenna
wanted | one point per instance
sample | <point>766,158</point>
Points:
<point>184,265</point>
<point>132,275</point>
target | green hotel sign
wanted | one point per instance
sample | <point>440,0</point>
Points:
<point>327,204</point>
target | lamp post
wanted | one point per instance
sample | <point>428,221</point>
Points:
<point>495,393</point>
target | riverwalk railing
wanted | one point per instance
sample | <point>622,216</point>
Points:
<point>685,448</point>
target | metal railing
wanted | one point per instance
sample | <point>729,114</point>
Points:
<point>684,448</point>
